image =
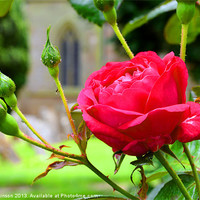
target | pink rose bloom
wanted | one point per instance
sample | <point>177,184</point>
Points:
<point>140,105</point>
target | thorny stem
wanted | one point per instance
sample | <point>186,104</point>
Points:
<point>122,40</point>
<point>68,156</point>
<point>194,170</point>
<point>106,179</point>
<point>184,33</point>
<point>17,110</point>
<point>173,174</point>
<point>65,104</point>
<point>64,100</point>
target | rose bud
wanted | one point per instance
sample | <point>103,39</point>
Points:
<point>7,89</point>
<point>3,109</point>
<point>8,125</point>
<point>137,106</point>
<point>51,56</point>
<point>107,7</point>
<point>104,5</point>
<point>185,10</point>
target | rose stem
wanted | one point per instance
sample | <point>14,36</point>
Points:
<point>194,170</point>
<point>173,174</point>
<point>106,179</point>
<point>184,32</point>
<point>122,40</point>
<point>68,156</point>
<point>64,100</point>
<point>17,110</point>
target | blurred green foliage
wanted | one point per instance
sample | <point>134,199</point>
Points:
<point>14,44</point>
<point>151,35</point>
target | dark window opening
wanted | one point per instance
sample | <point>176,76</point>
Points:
<point>69,70</point>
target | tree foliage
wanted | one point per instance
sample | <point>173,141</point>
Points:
<point>14,44</point>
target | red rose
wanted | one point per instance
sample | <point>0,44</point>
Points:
<point>139,105</point>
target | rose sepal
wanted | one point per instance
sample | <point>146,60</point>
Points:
<point>11,100</point>
<point>3,109</point>
<point>111,16</point>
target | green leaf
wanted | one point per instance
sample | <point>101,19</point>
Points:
<point>192,192</point>
<point>191,96</point>
<point>171,191</point>
<point>167,150</point>
<point>143,19</point>
<point>87,10</point>
<point>194,148</point>
<point>155,176</point>
<point>159,171</point>
<point>172,31</point>
<point>5,6</point>
<point>196,91</point>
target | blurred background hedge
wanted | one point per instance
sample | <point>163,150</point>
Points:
<point>14,59</point>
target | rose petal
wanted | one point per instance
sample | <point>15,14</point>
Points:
<point>170,88</point>
<point>107,134</point>
<point>111,116</point>
<point>140,147</point>
<point>168,58</point>
<point>135,148</point>
<point>146,83</point>
<point>86,98</point>
<point>132,99</point>
<point>189,129</point>
<point>151,59</point>
<point>159,122</point>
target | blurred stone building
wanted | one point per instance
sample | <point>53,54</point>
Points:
<point>84,48</point>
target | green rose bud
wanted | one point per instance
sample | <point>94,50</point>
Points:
<point>108,9</point>
<point>9,126</point>
<point>3,109</point>
<point>7,86</point>
<point>7,89</point>
<point>185,10</point>
<point>50,55</point>
<point>104,5</point>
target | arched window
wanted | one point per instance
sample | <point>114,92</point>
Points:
<point>69,69</point>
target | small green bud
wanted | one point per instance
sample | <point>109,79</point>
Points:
<point>185,11</point>
<point>50,55</point>
<point>104,5</point>
<point>108,9</point>
<point>7,86</point>
<point>9,126</point>
<point>3,109</point>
